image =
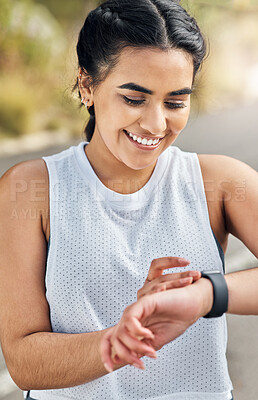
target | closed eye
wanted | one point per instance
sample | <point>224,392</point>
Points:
<point>170,105</point>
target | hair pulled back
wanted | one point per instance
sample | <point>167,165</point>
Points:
<point>117,24</point>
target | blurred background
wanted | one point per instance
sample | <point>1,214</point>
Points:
<point>39,114</point>
<point>38,63</point>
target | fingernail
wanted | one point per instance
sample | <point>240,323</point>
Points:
<point>184,280</point>
<point>151,355</point>
<point>148,335</point>
<point>108,368</point>
<point>151,336</point>
<point>183,260</point>
<point>140,366</point>
<point>193,273</point>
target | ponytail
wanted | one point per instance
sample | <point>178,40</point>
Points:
<point>90,127</point>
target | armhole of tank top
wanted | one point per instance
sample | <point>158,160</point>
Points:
<point>197,169</point>
<point>48,245</point>
<point>221,252</point>
<point>52,211</point>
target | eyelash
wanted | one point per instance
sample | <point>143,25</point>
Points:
<point>139,102</point>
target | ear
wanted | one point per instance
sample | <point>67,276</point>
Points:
<point>85,87</point>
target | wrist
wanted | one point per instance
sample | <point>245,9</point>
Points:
<point>204,291</point>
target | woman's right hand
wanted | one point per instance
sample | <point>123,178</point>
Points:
<point>153,321</point>
<point>157,282</point>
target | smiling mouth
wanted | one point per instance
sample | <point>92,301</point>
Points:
<point>143,141</point>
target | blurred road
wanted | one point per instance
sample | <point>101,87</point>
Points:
<point>231,132</point>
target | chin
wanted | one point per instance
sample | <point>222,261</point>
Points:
<point>139,166</point>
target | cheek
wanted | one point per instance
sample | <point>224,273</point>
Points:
<point>128,115</point>
<point>117,115</point>
<point>179,121</point>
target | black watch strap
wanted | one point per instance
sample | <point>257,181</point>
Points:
<point>220,293</point>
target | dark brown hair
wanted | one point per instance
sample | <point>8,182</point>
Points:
<point>117,24</point>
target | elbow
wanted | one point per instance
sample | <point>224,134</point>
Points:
<point>18,376</point>
<point>19,367</point>
<point>18,380</point>
<point>24,388</point>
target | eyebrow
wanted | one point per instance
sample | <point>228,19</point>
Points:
<point>138,88</point>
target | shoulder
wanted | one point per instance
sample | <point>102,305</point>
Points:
<point>230,178</point>
<point>222,165</point>
<point>237,185</point>
<point>26,181</point>
<point>26,170</point>
<point>24,189</point>
<point>227,172</point>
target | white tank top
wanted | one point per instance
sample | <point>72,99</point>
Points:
<point>102,244</point>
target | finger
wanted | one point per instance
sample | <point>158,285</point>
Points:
<point>137,346</point>
<point>125,354</point>
<point>137,312</point>
<point>136,329</point>
<point>154,286</point>
<point>172,285</point>
<point>158,265</point>
<point>196,275</point>
<point>148,342</point>
<point>162,288</point>
<point>178,283</point>
<point>106,351</point>
<point>176,276</point>
<point>117,360</point>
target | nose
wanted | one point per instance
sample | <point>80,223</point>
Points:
<point>154,120</point>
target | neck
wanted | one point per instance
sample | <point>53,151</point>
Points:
<point>112,172</point>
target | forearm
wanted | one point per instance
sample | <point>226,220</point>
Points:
<point>243,292</point>
<point>167,314</point>
<point>48,360</point>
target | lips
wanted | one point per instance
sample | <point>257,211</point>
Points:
<point>144,137</point>
<point>139,145</point>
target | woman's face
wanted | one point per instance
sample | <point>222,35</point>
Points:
<point>142,105</point>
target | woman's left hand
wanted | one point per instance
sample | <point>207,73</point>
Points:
<point>157,282</point>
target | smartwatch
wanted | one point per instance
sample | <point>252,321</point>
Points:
<point>220,293</point>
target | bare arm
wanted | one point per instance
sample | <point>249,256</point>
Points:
<point>241,215</point>
<point>35,356</point>
<point>46,360</point>
<point>243,292</point>
<point>237,185</point>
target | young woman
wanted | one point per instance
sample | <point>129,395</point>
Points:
<point>88,228</point>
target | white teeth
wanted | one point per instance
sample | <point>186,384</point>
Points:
<point>144,141</point>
